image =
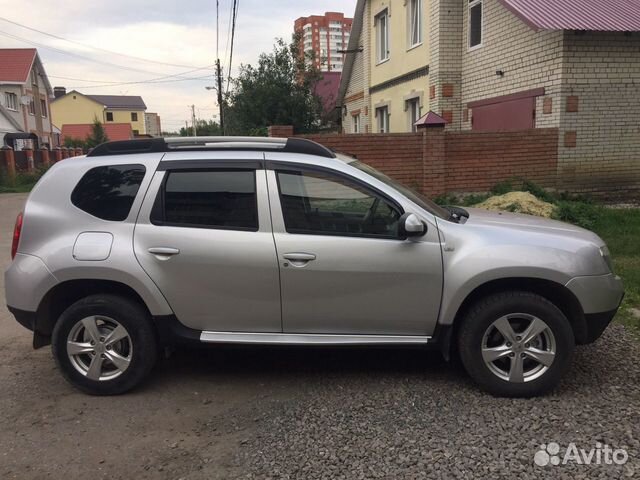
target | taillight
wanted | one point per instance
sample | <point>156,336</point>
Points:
<point>16,236</point>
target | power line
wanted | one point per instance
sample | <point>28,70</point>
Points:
<point>233,34</point>
<point>147,82</point>
<point>94,47</point>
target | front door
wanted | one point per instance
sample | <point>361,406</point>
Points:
<point>205,239</point>
<point>343,268</point>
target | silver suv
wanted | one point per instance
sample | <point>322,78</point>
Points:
<point>146,244</point>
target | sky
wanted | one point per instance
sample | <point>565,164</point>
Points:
<point>182,34</point>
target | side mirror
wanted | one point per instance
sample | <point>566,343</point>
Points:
<point>411,226</point>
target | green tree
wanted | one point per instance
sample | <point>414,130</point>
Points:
<point>277,91</point>
<point>74,143</point>
<point>97,135</point>
<point>204,128</point>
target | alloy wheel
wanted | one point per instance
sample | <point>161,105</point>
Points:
<point>99,348</point>
<point>518,347</point>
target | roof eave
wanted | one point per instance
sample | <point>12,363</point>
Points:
<point>354,44</point>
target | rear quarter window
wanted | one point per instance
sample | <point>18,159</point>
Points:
<point>108,192</point>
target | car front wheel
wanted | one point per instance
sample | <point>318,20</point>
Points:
<point>516,344</point>
<point>104,344</point>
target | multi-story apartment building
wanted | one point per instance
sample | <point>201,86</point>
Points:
<point>504,65</point>
<point>75,108</point>
<point>25,118</point>
<point>152,124</point>
<point>324,37</point>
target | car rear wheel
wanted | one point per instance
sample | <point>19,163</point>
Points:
<point>516,344</point>
<point>104,344</point>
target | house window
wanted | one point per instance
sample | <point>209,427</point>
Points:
<point>109,116</point>
<point>134,117</point>
<point>475,23</point>
<point>415,22</point>
<point>136,132</point>
<point>11,101</point>
<point>34,77</point>
<point>43,108</point>
<point>414,110</point>
<point>382,36</point>
<point>382,115</point>
<point>32,107</point>
<point>355,122</point>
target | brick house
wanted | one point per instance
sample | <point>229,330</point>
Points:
<point>25,91</point>
<point>517,64</point>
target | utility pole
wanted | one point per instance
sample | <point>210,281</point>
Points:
<point>220,101</point>
<point>193,119</point>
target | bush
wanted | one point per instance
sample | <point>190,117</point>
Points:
<point>579,213</point>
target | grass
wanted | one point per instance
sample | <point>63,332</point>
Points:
<point>23,183</point>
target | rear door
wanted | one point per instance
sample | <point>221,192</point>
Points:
<point>204,237</point>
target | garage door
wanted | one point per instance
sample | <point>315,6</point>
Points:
<point>512,112</point>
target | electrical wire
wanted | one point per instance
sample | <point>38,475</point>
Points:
<point>57,37</point>
<point>233,34</point>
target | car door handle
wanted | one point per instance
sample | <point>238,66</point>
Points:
<point>164,253</point>
<point>299,259</point>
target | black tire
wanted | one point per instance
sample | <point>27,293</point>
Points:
<point>138,324</point>
<point>482,315</point>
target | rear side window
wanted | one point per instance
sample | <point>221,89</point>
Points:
<point>224,199</point>
<point>108,192</point>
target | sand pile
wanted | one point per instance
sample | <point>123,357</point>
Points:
<point>518,202</point>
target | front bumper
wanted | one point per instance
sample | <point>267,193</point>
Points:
<point>600,297</point>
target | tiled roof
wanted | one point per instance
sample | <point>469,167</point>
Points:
<point>597,15</point>
<point>115,131</point>
<point>15,64</point>
<point>120,101</point>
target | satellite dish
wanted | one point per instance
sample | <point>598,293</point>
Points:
<point>25,99</point>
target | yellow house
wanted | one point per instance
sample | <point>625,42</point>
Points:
<point>385,84</point>
<point>77,108</point>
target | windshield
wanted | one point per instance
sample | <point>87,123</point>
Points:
<point>415,197</point>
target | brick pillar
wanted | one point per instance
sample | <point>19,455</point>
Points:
<point>46,161</point>
<point>57,154</point>
<point>65,152</point>
<point>284,131</point>
<point>79,151</point>
<point>31,165</point>
<point>434,161</point>
<point>10,163</point>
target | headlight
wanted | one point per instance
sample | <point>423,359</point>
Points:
<point>604,251</point>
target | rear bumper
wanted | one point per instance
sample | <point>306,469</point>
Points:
<point>23,317</point>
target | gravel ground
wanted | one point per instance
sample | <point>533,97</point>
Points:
<point>307,413</point>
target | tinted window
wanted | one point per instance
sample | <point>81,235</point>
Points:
<point>108,192</point>
<point>209,198</point>
<point>320,203</point>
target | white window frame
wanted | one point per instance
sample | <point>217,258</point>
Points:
<point>415,22</point>
<point>11,99</point>
<point>31,108</point>
<point>383,52</point>
<point>43,108</point>
<point>382,116</point>
<point>472,4</point>
<point>355,123</point>
<point>411,112</point>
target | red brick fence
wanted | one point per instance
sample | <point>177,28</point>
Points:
<point>29,161</point>
<point>436,161</point>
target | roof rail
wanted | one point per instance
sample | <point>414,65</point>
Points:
<point>156,145</point>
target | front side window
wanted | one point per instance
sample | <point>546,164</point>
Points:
<point>109,116</point>
<point>382,115</point>
<point>222,199</point>
<point>108,192</point>
<point>415,22</point>
<point>134,116</point>
<point>43,107</point>
<point>475,23</point>
<point>11,101</point>
<point>318,203</point>
<point>414,110</point>
<point>32,107</point>
<point>382,34</point>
